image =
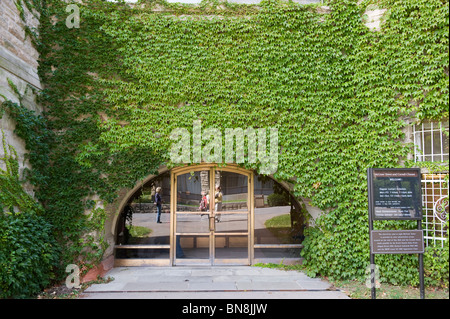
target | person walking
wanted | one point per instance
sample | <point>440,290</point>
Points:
<point>158,202</point>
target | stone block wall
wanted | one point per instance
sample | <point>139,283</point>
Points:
<point>18,64</point>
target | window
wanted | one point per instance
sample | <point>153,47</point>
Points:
<point>431,140</point>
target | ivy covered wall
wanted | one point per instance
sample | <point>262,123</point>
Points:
<point>340,95</point>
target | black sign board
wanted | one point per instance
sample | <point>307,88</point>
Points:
<point>397,242</point>
<point>395,193</point>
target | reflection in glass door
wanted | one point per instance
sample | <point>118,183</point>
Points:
<point>143,235</point>
<point>252,219</point>
<point>191,224</point>
<point>212,219</point>
<point>232,218</point>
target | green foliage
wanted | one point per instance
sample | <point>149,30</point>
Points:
<point>28,250</point>
<point>280,227</point>
<point>28,254</point>
<point>63,195</point>
<point>278,199</point>
<point>338,93</point>
<point>436,264</point>
<point>11,192</point>
<point>139,231</point>
<point>281,221</point>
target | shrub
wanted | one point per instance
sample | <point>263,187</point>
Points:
<point>277,200</point>
<point>436,266</point>
<point>27,254</point>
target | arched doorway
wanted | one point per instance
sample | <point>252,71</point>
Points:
<point>219,233</point>
<point>245,224</point>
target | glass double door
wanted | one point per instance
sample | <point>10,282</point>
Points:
<point>213,214</point>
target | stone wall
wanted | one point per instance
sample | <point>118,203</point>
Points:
<point>19,64</point>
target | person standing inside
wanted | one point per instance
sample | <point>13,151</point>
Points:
<point>218,202</point>
<point>158,202</point>
<point>204,203</point>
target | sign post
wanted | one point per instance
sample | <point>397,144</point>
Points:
<point>395,194</point>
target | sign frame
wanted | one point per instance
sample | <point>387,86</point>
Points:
<point>397,174</point>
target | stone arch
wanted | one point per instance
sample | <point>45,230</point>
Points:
<point>114,209</point>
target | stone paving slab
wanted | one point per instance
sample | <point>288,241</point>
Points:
<point>156,286</point>
<point>227,295</point>
<point>267,286</point>
<point>216,286</point>
<point>313,285</point>
<point>215,282</point>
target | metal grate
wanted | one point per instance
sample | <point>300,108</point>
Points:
<point>431,140</point>
<point>435,208</point>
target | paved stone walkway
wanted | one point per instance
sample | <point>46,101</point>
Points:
<point>205,282</point>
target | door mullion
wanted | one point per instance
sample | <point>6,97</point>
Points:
<point>173,209</point>
<point>212,238</point>
<point>251,228</point>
